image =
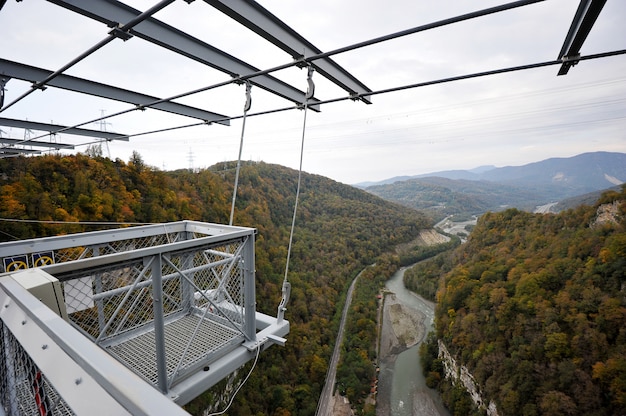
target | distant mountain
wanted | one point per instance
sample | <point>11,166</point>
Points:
<point>488,188</point>
<point>579,174</point>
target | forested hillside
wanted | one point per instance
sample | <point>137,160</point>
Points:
<point>535,307</point>
<point>339,230</point>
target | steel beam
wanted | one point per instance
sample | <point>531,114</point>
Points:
<point>57,128</point>
<point>14,151</point>
<point>584,19</point>
<point>111,12</point>
<point>50,145</point>
<point>264,23</point>
<point>33,74</point>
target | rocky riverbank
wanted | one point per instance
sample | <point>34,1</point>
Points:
<point>402,328</point>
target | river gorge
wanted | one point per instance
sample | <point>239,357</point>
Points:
<point>406,320</point>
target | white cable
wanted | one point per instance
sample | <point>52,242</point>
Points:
<point>258,350</point>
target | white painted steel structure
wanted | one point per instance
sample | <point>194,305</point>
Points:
<point>172,303</point>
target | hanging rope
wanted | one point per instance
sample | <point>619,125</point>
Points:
<point>286,285</point>
<point>246,107</point>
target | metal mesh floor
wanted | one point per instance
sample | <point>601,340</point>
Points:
<point>212,339</point>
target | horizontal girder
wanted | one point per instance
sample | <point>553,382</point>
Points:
<point>33,74</point>
<point>34,143</point>
<point>57,128</point>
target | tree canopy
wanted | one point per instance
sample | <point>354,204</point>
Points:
<point>535,306</point>
<point>339,230</point>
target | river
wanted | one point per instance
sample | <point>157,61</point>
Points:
<point>409,394</point>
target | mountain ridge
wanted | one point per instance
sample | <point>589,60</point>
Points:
<point>492,189</point>
<point>551,167</point>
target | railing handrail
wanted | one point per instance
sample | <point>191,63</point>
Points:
<point>87,378</point>
<point>98,261</point>
<point>35,245</point>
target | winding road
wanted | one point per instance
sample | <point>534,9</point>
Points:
<point>325,403</point>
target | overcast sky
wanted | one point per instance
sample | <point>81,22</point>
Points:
<point>509,119</point>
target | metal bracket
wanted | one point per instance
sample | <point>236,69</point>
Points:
<point>119,33</point>
<point>571,60</point>
<point>248,103</point>
<point>38,86</point>
<point>311,86</point>
<point>3,83</point>
<point>283,302</point>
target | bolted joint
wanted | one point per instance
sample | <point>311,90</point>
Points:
<point>118,32</point>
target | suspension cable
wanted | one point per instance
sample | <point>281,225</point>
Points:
<point>246,107</point>
<point>286,285</point>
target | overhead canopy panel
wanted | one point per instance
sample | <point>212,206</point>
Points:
<point>264,23</point>
<point>33,74</point>
<point>153,30</point>
<point>586,16</point>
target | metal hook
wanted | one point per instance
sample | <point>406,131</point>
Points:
<point>311,89</point>
<point>248,103</point>
<point>3,82</point>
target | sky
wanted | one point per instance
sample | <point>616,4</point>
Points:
<point>503,120</point>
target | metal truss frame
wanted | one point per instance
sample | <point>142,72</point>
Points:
<point>256,18</point>
<point>159,33</point>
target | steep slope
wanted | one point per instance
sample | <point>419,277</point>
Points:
<point>535,307</point>
<point>339,229</point>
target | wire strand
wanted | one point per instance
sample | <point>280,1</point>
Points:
<point>258,350</point>
<point>295,207</point>
<point>243,129</point>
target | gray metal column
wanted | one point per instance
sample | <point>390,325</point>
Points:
<point>99,289</point>
<point>249,293</point>
<point>159,326</point>
<point>186,288</point>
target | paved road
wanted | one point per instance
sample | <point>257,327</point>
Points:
<point>324,405</point>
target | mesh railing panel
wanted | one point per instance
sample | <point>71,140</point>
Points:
<point>114,305</point>
<point>76,253</point>
<point>24,389</point>
<point>111,300</point>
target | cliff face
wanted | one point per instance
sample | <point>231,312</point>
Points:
<point>461,374</point>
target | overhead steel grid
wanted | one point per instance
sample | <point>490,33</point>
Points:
<point>261,21</point>
<point>166,36</point>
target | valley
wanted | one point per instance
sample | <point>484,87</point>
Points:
<point>540,294</point>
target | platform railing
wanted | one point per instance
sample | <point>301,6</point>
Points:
<point>48,368</point>
<point>178,305</point>
<point>173,303</point>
